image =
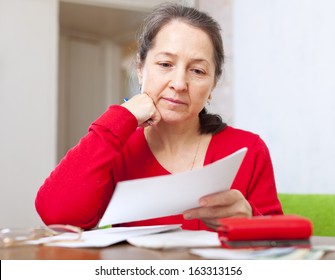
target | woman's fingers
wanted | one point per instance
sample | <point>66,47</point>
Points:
<point>144,109</point>
<point>223,198</point>
<point>220,205</point>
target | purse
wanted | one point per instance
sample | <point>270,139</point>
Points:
<point>265,231</point>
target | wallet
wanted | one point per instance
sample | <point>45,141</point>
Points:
<point>265,231</point>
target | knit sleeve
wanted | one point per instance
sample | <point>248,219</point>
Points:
<point>78,190</point>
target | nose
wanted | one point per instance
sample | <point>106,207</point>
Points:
<point>179,81</point>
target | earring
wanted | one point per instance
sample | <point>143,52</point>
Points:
<point>209,100</point>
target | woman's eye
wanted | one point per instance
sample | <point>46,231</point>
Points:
<point>198,71</point>
<point>165,64</point>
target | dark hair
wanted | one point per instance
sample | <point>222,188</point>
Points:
<point>165,13</point>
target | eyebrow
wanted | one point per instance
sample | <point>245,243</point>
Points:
<point>174,55</point>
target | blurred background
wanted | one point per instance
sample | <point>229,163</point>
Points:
<point>62,62</point>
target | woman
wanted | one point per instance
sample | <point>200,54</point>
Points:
<point>165,129</point>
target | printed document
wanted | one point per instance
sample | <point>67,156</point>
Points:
<point>160,196</point>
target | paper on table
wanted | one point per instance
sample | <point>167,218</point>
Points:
<point>166,195</point>
<point>244,254</point>
<point>278,253</point>
<point>102,237</point>
<point>177,239</point>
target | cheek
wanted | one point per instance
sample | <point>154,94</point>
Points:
<point>147,80</point>
<point>152,83</point>
<point>146,77</point>
<point>200,94</point>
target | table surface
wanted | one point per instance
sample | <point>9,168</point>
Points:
<point>121,251</point>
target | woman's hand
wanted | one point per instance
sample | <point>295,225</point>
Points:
<point>143,108</point>
<point>224,204</point>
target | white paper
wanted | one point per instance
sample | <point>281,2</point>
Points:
<point>101,237</point>
<point>177,239</point>
<point>166,195</point>
<point>246,254</point>
<point>277,253</point>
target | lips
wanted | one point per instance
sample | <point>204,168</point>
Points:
<point>175,101</point>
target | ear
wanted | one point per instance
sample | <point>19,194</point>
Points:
<point>139,69</point>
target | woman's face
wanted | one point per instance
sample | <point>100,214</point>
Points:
<point>179,71</point>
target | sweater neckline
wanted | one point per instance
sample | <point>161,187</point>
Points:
<point>207,160</point>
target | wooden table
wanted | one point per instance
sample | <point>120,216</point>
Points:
<point>122,251</point>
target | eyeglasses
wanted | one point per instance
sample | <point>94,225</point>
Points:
<point>10,237</point>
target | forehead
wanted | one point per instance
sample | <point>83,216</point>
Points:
<point>179,37</point>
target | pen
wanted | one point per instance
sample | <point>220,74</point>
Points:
<point>104,227</point>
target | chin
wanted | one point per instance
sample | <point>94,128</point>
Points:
<point>173,118</point>
<point>172,121</point>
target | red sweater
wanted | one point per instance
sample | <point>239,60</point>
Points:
<point>77,192</point>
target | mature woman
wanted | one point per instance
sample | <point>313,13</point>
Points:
<point>162,130</point>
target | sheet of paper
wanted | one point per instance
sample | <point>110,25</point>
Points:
<point>248,254</point>
<point>177,239</point>
<point>102,237</point>
<point>277,253</point>
<point>161,196</point>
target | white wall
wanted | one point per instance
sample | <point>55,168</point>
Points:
<point>284,86</point>
<point>28,87</point>
<point>222,97</point>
